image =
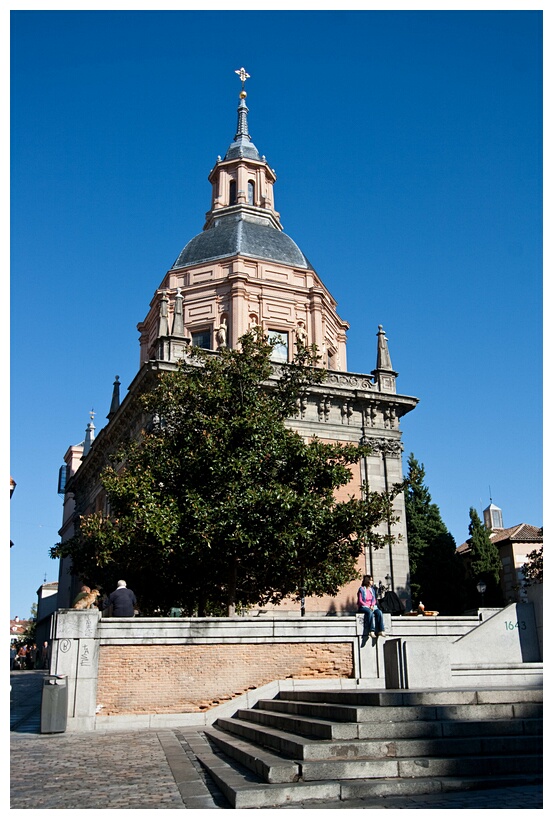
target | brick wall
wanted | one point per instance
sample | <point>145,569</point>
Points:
<point>160,679</point>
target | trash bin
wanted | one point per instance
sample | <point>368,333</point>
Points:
<point>53,710</point>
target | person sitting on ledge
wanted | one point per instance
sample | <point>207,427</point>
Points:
<point>83,593</point>
<point>122,600</point>
<point>367,603</point>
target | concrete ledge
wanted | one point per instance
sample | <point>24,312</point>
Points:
<point>417,664</point>
<point>507,636</point>
<point>205,630</point>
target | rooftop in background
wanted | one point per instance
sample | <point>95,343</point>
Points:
<point>522,533</point>
<point>18,627</point>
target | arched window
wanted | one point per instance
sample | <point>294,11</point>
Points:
<point>232,192</point>
<point>251,192</point>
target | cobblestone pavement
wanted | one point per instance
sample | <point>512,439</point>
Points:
<point>158,769</point>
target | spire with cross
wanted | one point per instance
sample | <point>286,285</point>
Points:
<point>242,144</point>
<point>89,435</point>
<point>243,74</point>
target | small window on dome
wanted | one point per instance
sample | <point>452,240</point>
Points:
<point>232,192</point>
<point>251,192</point>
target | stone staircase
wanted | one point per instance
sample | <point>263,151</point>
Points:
<point>349,744</point>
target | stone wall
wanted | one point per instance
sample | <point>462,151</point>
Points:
<point>155,668</point>
<point>154,672</point>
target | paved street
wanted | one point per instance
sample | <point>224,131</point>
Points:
<point>157,769</point>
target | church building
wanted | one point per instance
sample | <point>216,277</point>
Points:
<point>243,271</point>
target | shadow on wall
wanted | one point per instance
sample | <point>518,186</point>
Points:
<point>404,595</point>
<point>347,607</point>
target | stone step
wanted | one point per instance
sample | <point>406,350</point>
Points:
<point>321,729</point>
<point>484,711</point>
<point>307,727</point>
<point>410,720</point>
<point>361,788</point>
<point>269,767</point>
<point>425,747</point>
<point>342,769</point>
<point>289,745</point>
<point>346,744</point>
<point>452,696</point>
<point>244,790</point>
<point>426,713</point>
<point>316,710</point>
<point>309,748</point>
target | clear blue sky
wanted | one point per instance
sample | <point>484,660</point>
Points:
<point>407,147</point>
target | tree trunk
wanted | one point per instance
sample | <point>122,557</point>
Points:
<point>232,584</point>
<point>202,601</point>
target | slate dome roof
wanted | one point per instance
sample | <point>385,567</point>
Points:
<point>238,235</point>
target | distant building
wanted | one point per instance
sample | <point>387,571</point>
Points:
<point>514,544</point>
<point>18,628</point>
<point>46,605</point>
<point>493,517</point>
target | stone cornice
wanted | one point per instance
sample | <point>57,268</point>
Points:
<point>346,407</point>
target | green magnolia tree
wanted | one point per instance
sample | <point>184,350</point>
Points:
<point>484,563</point>
<point>435,569</point>
<point>220,504</point>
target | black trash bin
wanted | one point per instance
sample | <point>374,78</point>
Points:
<point>53,710</point>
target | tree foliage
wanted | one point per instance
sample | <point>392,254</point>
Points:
<point>484,562</point>
<point>29,635</point>
<point>435,570</point>
<point>532,570</point>
<point>221,504</point>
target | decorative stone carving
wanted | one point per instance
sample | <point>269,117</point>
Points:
<point>347,411</point>
<point>301,406</point>
<point>351,381</point>
<point>389,415</point>
<point>163,326</point>
<point>385,447</point>
<point>371,414</point>
<point>221,334</point>
<point>301,334</point>
<point>323,408</point>
<point>178,319</point>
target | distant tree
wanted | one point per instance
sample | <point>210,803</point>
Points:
<point>436,571</point>
<point>220,504</point>
<point>484,563</point>
<point>29,635</point>
<point>532,570</point>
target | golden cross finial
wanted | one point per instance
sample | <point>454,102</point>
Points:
<point>242,73</point>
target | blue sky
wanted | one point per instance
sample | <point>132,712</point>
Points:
<point>407,147</point>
